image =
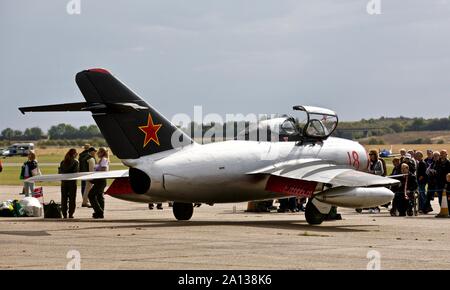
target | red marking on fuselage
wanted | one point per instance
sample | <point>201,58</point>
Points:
<point>290,186</point>
<point>120,186</point>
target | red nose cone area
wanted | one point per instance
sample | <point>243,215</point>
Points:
<point>99,70</point>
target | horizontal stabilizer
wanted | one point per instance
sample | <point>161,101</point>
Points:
<point>80,176</point>
<point>68,107</point>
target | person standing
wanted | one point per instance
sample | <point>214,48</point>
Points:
<point>432,179</point>
<point>442,170</point>
<point>429,159</point>
<point>396,170</point>
<point>375,167</point>
<point>69,187</point>
<point>403,198</point>
<point>90,161</point>
<point>29,169</point>
<point>375,164</point>
<point>396,166</point>
<point>82,158</point>
<point>96,193</point>
<point>422,180</point>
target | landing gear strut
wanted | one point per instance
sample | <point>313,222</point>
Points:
<point>182,211</point>
<point>313,215</point>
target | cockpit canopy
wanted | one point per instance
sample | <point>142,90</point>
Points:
<point>320,122</point>
<point>311,123</point>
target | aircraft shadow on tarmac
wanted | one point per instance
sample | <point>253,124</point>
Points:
<point>298,225</point>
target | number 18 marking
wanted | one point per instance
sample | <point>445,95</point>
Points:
<point>353,159</point>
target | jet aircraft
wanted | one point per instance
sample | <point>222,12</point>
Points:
<point>165,164</point>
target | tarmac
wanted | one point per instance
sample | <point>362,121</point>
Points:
<point>222,236</point>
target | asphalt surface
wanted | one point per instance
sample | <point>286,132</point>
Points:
<point>220,237</point>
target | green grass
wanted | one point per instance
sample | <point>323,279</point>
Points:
<point>10,174</point>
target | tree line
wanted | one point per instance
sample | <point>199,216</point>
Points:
<point>383,125</point>
<point>57,132</point>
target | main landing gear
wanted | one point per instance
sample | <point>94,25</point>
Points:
<point>316,212</point>
<point>182,211</point>
<point>313,215</point>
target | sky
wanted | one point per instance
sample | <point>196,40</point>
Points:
<point>229,56</point>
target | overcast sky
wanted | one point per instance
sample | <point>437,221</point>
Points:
<point>230,56</point>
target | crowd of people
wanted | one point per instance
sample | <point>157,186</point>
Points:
<point>427,176</point>
<point>92,191</point>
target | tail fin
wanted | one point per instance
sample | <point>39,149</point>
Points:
<point>131,127</point>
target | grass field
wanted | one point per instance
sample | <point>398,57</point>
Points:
<point>397,138</point>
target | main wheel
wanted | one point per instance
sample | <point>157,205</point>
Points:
<point>182,211</point>
<point>313,215</point>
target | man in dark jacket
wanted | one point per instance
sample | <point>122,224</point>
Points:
<point>422,179</point>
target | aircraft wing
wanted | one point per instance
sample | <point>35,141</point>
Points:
<point>322,171</point>
<point>80,176</point>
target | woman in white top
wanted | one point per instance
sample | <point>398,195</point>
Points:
<point>96,193</point>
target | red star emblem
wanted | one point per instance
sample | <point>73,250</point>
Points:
<point>150,131</point>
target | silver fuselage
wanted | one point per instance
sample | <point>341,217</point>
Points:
<point>217,172</point>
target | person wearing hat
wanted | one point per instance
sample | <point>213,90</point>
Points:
<point>82,158</point>
<point>91,161</point>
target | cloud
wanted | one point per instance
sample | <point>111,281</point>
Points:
<point>233,56</point>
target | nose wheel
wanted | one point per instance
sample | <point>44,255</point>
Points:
<point>182,211</point>
<point>313,215</point>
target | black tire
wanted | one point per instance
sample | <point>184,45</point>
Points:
<point>182,211</point>
<point>313,215</point>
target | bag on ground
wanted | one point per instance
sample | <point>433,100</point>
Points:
<point>52,210</point>
<point>6,209</point>
<point>31,207</point>
<point>18,209</point>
